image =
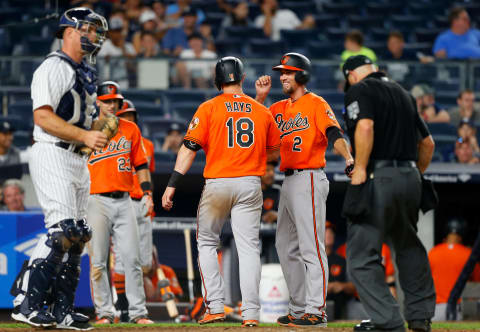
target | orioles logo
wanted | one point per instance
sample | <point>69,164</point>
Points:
<point>112,89</point>
<point>231,76</point>
<point>330,114</point>
<point>268,204</point>
<point>285,59</point>
<point>335,270</point>
<point>194,123</point>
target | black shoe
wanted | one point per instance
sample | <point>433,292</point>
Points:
<point>424,325</point>
<point>309,320</point>
<point>35,318</point>
<point>124,316</point>
<point>70,323</point>
<point>368,326</point>
<point>285,320</point>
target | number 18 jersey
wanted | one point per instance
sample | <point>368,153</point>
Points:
<point>235,131</point>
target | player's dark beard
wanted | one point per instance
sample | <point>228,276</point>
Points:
<point>287,91</point>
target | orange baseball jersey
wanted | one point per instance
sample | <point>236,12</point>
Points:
<point>234,130</point>
<point>111,169</point>
<point>303,126</point>
<point>148,145</point>
<point>446,263</point>
<point>386,258</point>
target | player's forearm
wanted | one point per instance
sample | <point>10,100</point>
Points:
<point>349,288</point>
<point>425,153</point>
<point>56,126</point>
<point>185,159</point>
<point>261,98</point>
<point>342,147</point>
<point>363,142</point>
<point>143,175</point>
<point>272,155</point>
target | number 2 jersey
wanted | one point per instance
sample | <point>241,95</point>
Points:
<point>235,131</point>
<point>303,126</point>
<point>111,169</point>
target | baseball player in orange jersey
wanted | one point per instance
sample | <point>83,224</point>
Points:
<point>238,135</point>
<point>306,123</point>
<point>144,221</point>
<point>111,212</point>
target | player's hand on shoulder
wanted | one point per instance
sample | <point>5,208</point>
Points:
<point>95,139</point>
<point>167,199</point>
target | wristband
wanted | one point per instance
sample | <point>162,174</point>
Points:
<point>174,179</point>
<point>146,186</point>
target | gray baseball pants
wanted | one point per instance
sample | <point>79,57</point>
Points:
<point>300,240</point>
<point>241,198</point>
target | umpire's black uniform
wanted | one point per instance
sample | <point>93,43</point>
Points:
<point>386,205</point>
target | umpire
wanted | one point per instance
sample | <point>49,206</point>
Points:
<point>392,148</point>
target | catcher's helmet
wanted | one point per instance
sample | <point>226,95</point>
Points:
<point>128,107</point>
<point>76,18</point>
<point>296,62</point>
<point>228,70</point>
<point>109,90</point>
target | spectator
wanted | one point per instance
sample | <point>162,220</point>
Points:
<point>175,41</point>
<point>273,19</point>
<point>467,131</point>
<point>396,50</point>
<point>174,139</point>
<point>238,17</point>
<point>271,197</point>
<point>206,31</point>
<point>9,154</point>
<point>176,12</point>
<point>200,72</point>
<point>446,262</point>
<point>160,10</point>
<point>149,22</point>
<point>464,152</point>
<point>13,195</point>
<point>112,66</point>
<point>466,110</point>
<point>460,41</point>
<point>340,290</point>
<point>354,46</point>
<point>429,110</point>
<point>149,46</point>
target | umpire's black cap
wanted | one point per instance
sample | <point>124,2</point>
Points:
<point>228,70</point>
<point>353,63</point>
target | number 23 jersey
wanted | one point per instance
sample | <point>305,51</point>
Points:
<point>235,131</point>
<point>303,126</point>
<point>111,168</point>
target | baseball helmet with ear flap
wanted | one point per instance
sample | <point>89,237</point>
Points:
<point>228,70</point>
<point>296,62</point>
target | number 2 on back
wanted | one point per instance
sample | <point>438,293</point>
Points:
<point>297,140</point>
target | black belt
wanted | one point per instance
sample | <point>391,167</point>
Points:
<point>136,199</point>
<point>114,194</point>
<point>376,164</point>
<point>290,171</point>
<point>66,146</point>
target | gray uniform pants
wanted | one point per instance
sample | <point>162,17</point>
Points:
<point>300,240</point>
<point>242,198</point>
<point>395,201</point>
<point>114,217</point>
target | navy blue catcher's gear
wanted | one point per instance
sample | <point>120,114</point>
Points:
<point>78,17</point>
<point>71,231</point>
<point>85,229</point>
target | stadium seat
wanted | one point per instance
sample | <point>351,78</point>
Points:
<point>22,109</point>
<point>214,19</point>
<point>473,8</point>
<point>299,38</point>
<point>424,35</point>
<point>441,22</point>
<point>22,139</point>
<point>262,47</point>
<point>442,129</point>
<point>336,34</point>
<point>426,9</point>
<point>153,124</point>
<point>332,96</point>
<point>10,15</point>
<point>146,108</point>
<point>301,8</point>
<point>39,46</point>
<point>326,21</point>
<point>446,99</point>
<point>324,76</point>
<point>18,122</point>
<point>380,34</point>
<point>329,49</point>
<point>18,94</point>
<point>365,23</point>
<point>183,110</point>
<point>445,145</point>
<point>138,95</point>
<point>242,32</point>
<point>253,10</point>
<point>451,85</point>
<point>385,9</point>
<point>406,23</point>
<point>339,8</point>
<point>177,95</point>
<point>162,156</point>
<point>425,48</point>
<point>233,46</point>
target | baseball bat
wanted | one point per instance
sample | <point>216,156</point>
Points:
<point>188,249</point>
<point>167,294</point>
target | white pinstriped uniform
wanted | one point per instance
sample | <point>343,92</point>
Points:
<point>60,177</point>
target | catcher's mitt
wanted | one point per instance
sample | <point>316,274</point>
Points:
<point>107,125</point>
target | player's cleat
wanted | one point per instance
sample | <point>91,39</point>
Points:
<point>212,318</point>
<point>368,326</point>
<point>285,320</point>
<point>142,320</point>
<point>35,318</point>
<point>68,323</point>
<point>250,323</point>
<point>424,325</point>
<point>309,320</point>
<point>104,321</point>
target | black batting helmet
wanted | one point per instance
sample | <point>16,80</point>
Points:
<point>128,107</point>
<point>296,62</point>
<point>228,70</point>
<point>109,90</point>
<point>457,226</point>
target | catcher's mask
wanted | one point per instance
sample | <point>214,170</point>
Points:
<point>298,63</point>
<point>79,17</point>
<point>109,90</point>
<point>128,107</point>
<point>228,70</point>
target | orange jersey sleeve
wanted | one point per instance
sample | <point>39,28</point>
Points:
<point>235,131</point>
<point>302,126</point>
<point>137,192</point>
<point>111,169</point>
